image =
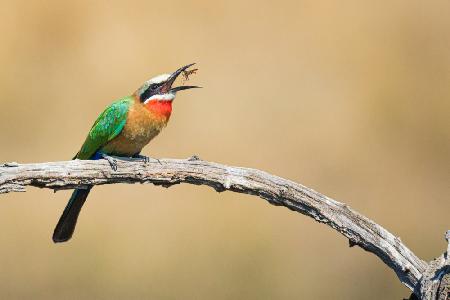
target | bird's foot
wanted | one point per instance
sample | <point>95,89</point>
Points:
<point>112,161</point>
<point>145,159</point>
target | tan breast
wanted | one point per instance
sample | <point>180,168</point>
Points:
<point>140,128</point>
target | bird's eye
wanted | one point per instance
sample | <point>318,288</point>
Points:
<point>154,87</point>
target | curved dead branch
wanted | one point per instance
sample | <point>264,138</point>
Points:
<point>360,230</point>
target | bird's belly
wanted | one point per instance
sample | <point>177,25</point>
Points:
<point>129,143</point>
<point>134,137</point>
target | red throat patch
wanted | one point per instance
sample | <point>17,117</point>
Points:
<point>161,109</point>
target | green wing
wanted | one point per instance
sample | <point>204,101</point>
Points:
<point>107,126</point>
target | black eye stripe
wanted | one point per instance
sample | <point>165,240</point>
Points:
<point>150,91</point>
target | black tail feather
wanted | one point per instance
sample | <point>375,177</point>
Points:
<point>66,224</point>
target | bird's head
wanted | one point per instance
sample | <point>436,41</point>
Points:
<point>159,88</point>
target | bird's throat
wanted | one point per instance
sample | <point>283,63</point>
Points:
<point>161,109</point>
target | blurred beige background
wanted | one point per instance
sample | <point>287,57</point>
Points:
<point>350,98</point>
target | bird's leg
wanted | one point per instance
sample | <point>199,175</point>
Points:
<point>112,161</point>
<point>145,159</point>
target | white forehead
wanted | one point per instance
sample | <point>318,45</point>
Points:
<point>158,79</point>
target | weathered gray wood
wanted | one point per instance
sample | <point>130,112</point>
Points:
<point>435,282</point>
<point>360,230</point>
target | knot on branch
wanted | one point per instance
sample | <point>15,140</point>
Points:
<point>194,158</point>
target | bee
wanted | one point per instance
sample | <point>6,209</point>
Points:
<point>188,73</point>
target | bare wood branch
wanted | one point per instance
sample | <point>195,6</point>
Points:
<point>360,230</point>
<point>435,281</point>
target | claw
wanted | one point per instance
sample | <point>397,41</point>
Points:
<point>158,161</point>
<point>146,159</point>
<point>111,160</point>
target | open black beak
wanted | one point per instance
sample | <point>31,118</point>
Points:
<point>168,85</point>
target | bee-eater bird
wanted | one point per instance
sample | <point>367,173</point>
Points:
<point>123,129</point>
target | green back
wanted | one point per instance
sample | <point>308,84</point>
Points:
<point>107,126</point>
